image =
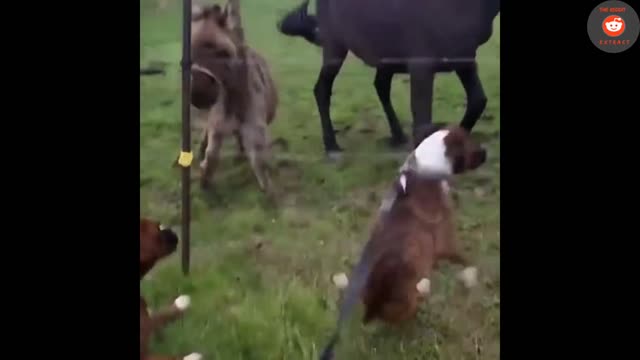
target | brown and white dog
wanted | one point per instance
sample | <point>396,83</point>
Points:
<point>414,230</point>
<point>157,243</point>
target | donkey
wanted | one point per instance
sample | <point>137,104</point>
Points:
<point>233,86</point>
<point>418,37</point>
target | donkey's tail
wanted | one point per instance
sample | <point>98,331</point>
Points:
<point>298,22</point>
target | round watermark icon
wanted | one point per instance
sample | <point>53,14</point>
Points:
<point>613,26</point>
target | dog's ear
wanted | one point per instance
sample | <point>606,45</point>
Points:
<point>464,152</point>
<point>148,248</point>
<point>424,131</point>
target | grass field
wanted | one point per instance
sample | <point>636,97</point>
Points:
<point>260,280</point>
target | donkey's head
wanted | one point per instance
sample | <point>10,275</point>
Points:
<point>212,29</point>
<point>216,51</point>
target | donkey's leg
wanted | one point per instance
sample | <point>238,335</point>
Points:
<point>212,154</point>
<point>382,83</point>
<point>255,139</point>
<point>240,155</point>
<point>203,145</point>
<point>422,76</point>
<point>476,98</point>
<point>332,59</point>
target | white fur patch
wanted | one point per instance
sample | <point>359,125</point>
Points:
<point>340,280</point>
<point>162,227</point>
<point>424,286</point>
<point>431,156</point>
<point>403,182</point>
<point>445,186</point>
<point>469,276</point>
<point>193,356</point>
<point>182,302</point>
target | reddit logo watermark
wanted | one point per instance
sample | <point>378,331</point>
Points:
<point>613,26</point>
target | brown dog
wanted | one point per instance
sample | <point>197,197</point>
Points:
<point>233,88</point>
<point>415,229</point>
<point>157,243</point>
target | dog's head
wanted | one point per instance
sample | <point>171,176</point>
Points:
<point>446,150</point>
<point>156,242</point>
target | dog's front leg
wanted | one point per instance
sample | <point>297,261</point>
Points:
<point>468,275</point>
<point>193,356</point>
<point>159,319</point>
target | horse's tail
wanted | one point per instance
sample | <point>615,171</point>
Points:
<point>298,22</point>
<point>351,296</point>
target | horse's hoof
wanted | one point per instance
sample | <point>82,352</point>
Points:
<point>334,156</point>
<point>398,141</point>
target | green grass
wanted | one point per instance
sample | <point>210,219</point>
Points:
<point>276,301</point>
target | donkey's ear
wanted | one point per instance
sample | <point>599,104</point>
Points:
<point>226,17</point>
<point>196,12</point>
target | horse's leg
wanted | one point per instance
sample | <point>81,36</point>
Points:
<point>332,59</point>
<point>382,83</point>
<point>422,76</point>
<point>476,99</point>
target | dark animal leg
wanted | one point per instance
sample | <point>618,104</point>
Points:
<point>476,98</point>
<point>382,83</point>
<point>331,64</point>
<point>422,76</point>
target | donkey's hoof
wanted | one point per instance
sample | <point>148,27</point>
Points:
<point>205,183</point>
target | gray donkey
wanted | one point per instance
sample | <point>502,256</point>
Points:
<point>232,85</point>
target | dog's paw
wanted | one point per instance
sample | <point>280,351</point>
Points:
<point>424,286</point>
<point>340,280</point>
<point>182,302</point>
<point>193,356</point>
<point>469,276</point>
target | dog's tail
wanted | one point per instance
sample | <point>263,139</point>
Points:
<point>360,275</point>
<point>298,22</point>
<point>352,294</point>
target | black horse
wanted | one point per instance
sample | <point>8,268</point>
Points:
<point>418,37</point>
